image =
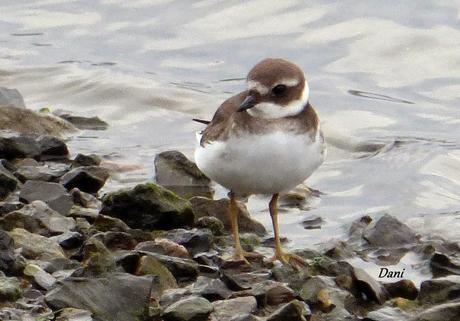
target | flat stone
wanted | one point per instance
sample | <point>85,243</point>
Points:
<point>119,296</point>
<point>188,309</point>
<point>34,246</point>
<point>89,179</point>
<point>227,309</point>
<point>220,208</point>
<point>40,276</point>
<point>11,98</point>
<point>163,246</point>
<point>47,173</point>
<point>53,194</point>
<point>390,232</point>
<point>148,206</point>
<point>92,123</point>
<point>38,218</point>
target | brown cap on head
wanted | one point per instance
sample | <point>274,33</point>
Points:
<point>271,70</point>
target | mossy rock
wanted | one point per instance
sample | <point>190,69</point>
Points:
<point>149,206</point>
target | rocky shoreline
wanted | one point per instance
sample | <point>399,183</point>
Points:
<point>162,251</point>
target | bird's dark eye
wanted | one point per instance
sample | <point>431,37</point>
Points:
<point>278,90</point>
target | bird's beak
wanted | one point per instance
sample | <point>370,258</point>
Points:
<point>248,102</point>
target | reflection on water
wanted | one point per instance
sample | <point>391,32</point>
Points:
<point>149,67</point>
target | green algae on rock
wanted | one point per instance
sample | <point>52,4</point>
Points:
<point>148,206</point>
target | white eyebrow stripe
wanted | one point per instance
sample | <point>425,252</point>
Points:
<point>291,82</point>
<point>255,85</point>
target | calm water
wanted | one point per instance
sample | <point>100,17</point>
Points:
<point>386,73</point>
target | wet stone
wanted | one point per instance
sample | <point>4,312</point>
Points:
<point>312,222</point>
<point>52,148</point>
<point>92,123</point>
<point>148,206</point>
<point>8,182</point>
<point>163,246</point>
<point>439,290</point>
<point>188,309</point>
<point>41,277</point>
<point>182,269</point>
<point>443,312</point>
<point>86,160</point>
<point>195,240</point>
<point>212,223</point>
<point>442,265</point>
<point>390,232</point>
<point>369,286</point>
<point>402,289</point>
<point>18,146</point>
<point>387,314</point>
<point>53,194</point>
<point>6,251</point>
<point>148,265</point>
<point>89,179</point>
<point>69,240</point>
<point>7,207</point>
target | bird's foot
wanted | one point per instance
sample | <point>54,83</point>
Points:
<point>293,260</point>
<point>241,255</point>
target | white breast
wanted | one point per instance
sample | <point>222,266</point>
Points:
<point>261,164</point>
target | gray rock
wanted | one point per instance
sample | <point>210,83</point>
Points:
<point>69,240</point>
<point>443,312</point>
<point>164,246</point>
<point>442,265</point>
<point>171,296</point>
<point>10,288</point>
<point>402,289</point>
<point>52,148</point>
<point>89,179</point>
<point>92,123</point>
<point>369,286</point>
<point>18,146</point>
<point>72,314</point>
<point>11,98</point>
<point>176,172</point>
<point>41,277</point>
<point>8,182</point>
<point>148,206</point>
<point>188,309</point>
<point>26,121</point>
<point>439,290</point>
<point>182,269</point>
<point>227,309</point>
<point>119,296</point>
<point>6,251</point>
<point>195,240</point>
<point>35,246</point>
<point>148,265</point>
<point>211,289</point>
<point>86,160</point>
<point>292,311</point>
<point>207,207</point>
<point>85,200</point>
<point>47,173</point>
<point>53,194</point>
<point>389,232</point>
<point>387,314</point>
<point>7,207</point>
<point>38,218</point>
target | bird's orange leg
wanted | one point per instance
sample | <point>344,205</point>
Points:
<point>285,258</point>
<point>239,253</point>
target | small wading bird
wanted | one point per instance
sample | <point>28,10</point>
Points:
<point>264,140</point>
